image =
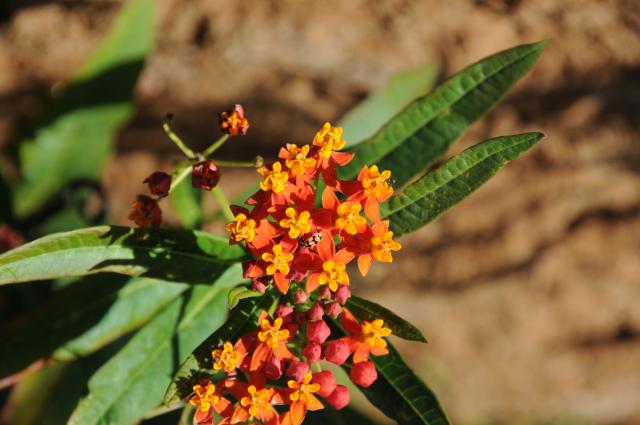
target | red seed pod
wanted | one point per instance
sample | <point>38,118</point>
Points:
<point>145,212</point>
<point>318,331</point>
<point>233,122</point>
<point>300,297</point>
<point>333,309</point>
<point>159,183</point>
<point>205,175</point>
<point>339,398</point>
<point>313,352</point>
<point>272,368</point>
<point>336,351</point>
<point>364,374</point>
<point>315,312</point>
<point>342,294</point>
<point>297,370</point>
<point>326,381</point>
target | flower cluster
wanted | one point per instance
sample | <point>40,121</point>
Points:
<point>303,251</point>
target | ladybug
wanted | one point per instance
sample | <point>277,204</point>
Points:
<point>311,241</point>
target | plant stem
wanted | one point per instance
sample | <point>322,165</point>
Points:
<point>215,145</point>
<point>186,416</point>
<point>183,174</point>
<point>316,367</point>
<point>223,203</point>
<point>166,126</point>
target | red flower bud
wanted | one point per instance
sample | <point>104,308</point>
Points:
<point>233,122</point>
<point>205,175</point>
<point>315,312</point>
<point>284,311</point>
<point>145,212</point>
<point>333,309</point>
<point>342,294</point>
<point>272,368</point>
<point>300,297</point>
<point>313,352</point>
<point>336,351</point>
<point>339,398</point>
<point>297,370</point>
<point>326,381</point>
<point>299,317</point>
<point>159,183</point>
<point>9,238</point>
<point>364,374</point>
<point>318,331</point>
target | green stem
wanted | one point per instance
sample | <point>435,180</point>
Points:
<point>214,147</point>
<point>183,174</point>
<point>316,367</point>
<point>223,203</point>
<point>166,126</point>
<point>187,415</point>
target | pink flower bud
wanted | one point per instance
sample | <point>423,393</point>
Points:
<point>342,295</point>
<point>313,352</point>
<point>364,374</point>
<point>324,292</point>
<point>318,331</point>
<point>333,309</point>
<point>284,311</point>
<point>159,183</point>
<point>326,381</point>
<point>315,312</point>
<point>300,297</point>
<point>339,398</point>
<point>299,317</point>
<point>258,285</point>
<point>272,368</point>
<point>336,351</point>
<point>297,370</point>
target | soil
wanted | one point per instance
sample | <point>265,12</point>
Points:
<point>529,290</point>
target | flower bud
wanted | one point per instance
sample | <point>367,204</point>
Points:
<point>313,352</point>
<point>333,309</point>
<point>159,183</point>
<point>205,175</point>
<point>233,122</point>
<point>339,398</point>
<point>297,370</point>
<point>145,212</point>
<point>318,331</point>
<point>300,297</point>
<point>364,374</point>
<point>272,368</point>
<point>324,292</point>
<point>284,311</point>
<point>258,285</point>
<point>315,312</point>
<point>299,317</point>
<point>342,294</point>
<point>326,381</point>
<point>336,351</point>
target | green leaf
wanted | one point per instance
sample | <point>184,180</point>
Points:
<point>198,363</point>
<point>79,125</point>
<point>422,132</point>
<point>240,293</point>
<point>134,380</point>
<point>186,202</point>
<point>370,311</point>
<point>430,196</point>
<point>82,318</point>
<point>401,395</point>
<point>379,107</point>
<point>177,255</point>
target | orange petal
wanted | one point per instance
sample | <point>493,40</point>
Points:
<point>329,199</point>
<point>344,256</point>
<point>326,248</point>
<point>342,158</point>
<point>297,411</point>
<point>364,263</point>
<point>282,282</point>
<point>313,403</point>
<point>349,323</point>
<point>312,282</point>
<point>380,227</point>
<point>260,355</point>
<point>239,415</point>
<point>362,353</point>
<point>372,209</point>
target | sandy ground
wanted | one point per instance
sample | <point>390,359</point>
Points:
<point>529,290</point>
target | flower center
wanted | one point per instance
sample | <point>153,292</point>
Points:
<point>204,397</point>
<point>329,138</point>
<point>279,260</point>
<point>373,333</point>
<point>349,218</point>
<point>228,358</point>
<point>334,274</point>
<point>274,179</point>
<point>297,224</point>
<point>271,334</point>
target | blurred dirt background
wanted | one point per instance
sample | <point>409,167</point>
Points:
<point>529,291</point>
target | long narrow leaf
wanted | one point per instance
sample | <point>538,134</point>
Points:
<point>422,132</point>
<point>134,380</point>
<point>368,310</point>
<point>170,254</point>
<point>430,196</point>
